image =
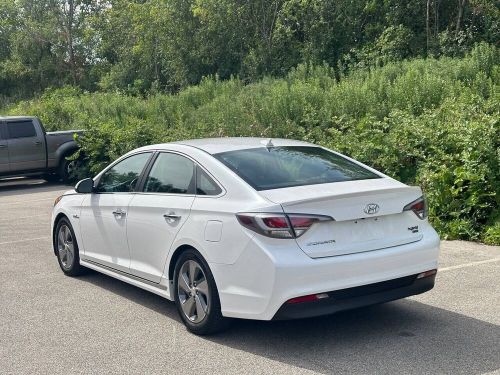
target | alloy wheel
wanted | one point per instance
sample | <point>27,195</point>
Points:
<point>65,247</point>
<point>193,291</point>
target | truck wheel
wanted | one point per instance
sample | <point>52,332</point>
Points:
<point>51,177</point>
<point>67,169</point>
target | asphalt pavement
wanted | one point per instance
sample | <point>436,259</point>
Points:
<point>94,324</point>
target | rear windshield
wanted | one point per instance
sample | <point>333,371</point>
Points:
<point>281,167</point>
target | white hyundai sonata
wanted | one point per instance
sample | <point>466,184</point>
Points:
<point>249,228</point>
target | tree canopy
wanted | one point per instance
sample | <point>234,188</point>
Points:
<point>149,46</point>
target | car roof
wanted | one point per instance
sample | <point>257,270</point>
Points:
<point>218,145</point>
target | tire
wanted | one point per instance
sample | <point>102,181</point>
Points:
<point>200,311</point>
<point>67,169</point>
<point>66,248</point>
<point>49,177</point>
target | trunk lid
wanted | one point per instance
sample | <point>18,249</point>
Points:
<point>368,215</point>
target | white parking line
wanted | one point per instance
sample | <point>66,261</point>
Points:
<point>26,240</point>
<point>24,217</point>
<point>468,264</point>
<point>26,201</point>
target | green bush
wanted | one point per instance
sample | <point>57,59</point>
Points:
<point>432,122</point>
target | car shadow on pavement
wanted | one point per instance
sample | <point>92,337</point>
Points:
<point>399,337</point>
<point>21,186</point>
<point>133,293</point>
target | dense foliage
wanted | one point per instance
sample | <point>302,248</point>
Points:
<point>153,46</point>
<point>431,122</point>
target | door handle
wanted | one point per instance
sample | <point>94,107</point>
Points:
<point>3,146</point>
<point>171,217</point>
<point>119,214</point>
<point>38,143</point>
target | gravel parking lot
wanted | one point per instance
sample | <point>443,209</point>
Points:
<point>53,324</point>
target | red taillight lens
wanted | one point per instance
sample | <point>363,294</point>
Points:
<point>279,225</point>
<point>275,222</point>
<point>302,223</point>
<point>270,225</point>
<point>419,207</point>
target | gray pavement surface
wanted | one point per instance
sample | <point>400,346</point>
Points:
<point>53,324</point>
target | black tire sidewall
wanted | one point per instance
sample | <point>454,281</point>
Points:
<point>75,267</point>
<point>214,320</point>
<point>63,169</point>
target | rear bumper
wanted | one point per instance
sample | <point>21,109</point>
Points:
<point>272,271</point>
<point>351,298</point>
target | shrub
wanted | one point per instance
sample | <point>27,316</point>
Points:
<point>432,122</point>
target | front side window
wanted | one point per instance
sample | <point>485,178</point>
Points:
<point>171,173</point>
<point>123,176</point>
<point>21,129</point>
<point>281,167</point>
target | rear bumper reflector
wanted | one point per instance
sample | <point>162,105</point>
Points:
<point>426,274</point>
<point>308,298</point>
<point>346,299</point>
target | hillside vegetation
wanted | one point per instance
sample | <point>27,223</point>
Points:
<point>429,122</point>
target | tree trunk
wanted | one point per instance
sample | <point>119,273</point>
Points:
<point>436,18</point>
<point>69,33</point>
<point>461,7</point>
<point>427,23</point>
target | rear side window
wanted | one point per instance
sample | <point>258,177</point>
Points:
<point>281,167</point>
<point>171,173</point>
<point>21,129</point>
<point>205,185</point>
<point>123,176</point>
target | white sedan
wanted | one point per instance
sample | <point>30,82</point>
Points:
<point>249,228</point>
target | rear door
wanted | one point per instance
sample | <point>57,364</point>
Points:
<point>26,144</point>
<point>4,150</point>
<point>156,214</point>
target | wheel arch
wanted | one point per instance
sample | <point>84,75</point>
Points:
<point>179,250</point>
<point>65,150</point>
<point>59,216</point>
<point>175,256</point>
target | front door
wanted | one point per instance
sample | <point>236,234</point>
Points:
<point>156,214</point>
<point>103,218</point>
<point>26,145</point>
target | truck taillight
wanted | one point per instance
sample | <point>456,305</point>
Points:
<point>279,225</point>
<point>418,206</point>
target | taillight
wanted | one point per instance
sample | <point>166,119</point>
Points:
<point>419,207</point>
<point>279,225</point>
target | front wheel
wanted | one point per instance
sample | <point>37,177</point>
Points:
<point>66,248</point>
<point>196,295</point>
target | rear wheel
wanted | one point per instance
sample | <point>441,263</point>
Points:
<point>196,295</point>
<point>68,169</point>
<point>51,177</point>
<point>66,249</point>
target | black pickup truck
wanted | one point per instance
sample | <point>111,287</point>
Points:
<point>26,149</point>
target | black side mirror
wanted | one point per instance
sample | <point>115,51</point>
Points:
<point>85,186</point>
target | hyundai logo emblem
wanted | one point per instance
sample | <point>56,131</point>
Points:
<point>371,208</point>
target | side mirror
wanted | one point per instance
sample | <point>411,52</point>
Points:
<point>85,186</point>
